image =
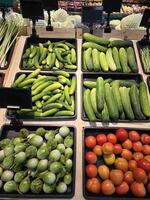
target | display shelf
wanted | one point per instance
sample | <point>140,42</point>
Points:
<point>78,122</point>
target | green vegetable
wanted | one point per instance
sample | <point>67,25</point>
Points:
<point>99,93</point>
<point>64,131</point>
<point>50,135</point>
<point>61,188</point>
<point>10,186</point>
<point>48,188</point>
<point>2,155</point>
<point>8,162</point>
<point>58,138</point>
<point>42,152</point>
<point>68,141</point>
<point>103,62</point>
<point>95,58</point>
<point>49,178</point>
<point>32,163</point>
<point>9,150</point>
<point>20,157</point>
<point>19,176</point>
<point>54,155</point>
<point>92,38</point>
<point>110,60</point>
<point>68,152</point>
<point>23,133</point>
<point>1,171</point>
<point>42,165</point>
<point>20,147</point>
<point>7,176</point>
<point>36,186</point>
<point>31,151</point>
<point>69,165</point>
<point>68,179</point>
<point>145,54</point>
<point>36,140</point>
<point>132,60</point>
<point>24,185</point>
<point>55,167</point>
<point>124,60</point>
<point>93,45</point>
<point>61,148</point>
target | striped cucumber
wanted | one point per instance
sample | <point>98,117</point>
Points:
<point>92,38</point>
<point>132,60</point>
<point>115,53</point>
<point>116,94</point>
<point>89,84</point>
<point>100,93</point>
<point>103,62</point>
<point>95,59</point>
<point>88,59</point>
<point>93,45</point>
<point>105,114</point>
<point>94,103</point>
<point>110,60</point>
<point>124,60</point>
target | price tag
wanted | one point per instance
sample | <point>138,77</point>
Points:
<point>14,97</point>
<point>50,4</point>
<point>112,5</point>
<point>92,14</point>
<point>32,9</point>
<point>145,22</point>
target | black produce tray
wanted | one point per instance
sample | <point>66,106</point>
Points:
<point>109,72</point>
<point>92,77</point>
<point>35,41</point>
<point>2,76</point>
<point>56,118</point>
<point>8,131</point>
<point>141,45</point>
<point>95,131</point>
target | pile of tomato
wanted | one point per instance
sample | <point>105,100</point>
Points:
<point>124,158</point>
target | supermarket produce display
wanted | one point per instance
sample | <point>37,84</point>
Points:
<point>116,163</point>
<point>52,94</point>
<point>100,54</point>
<point>37,161</point>
<point>50,55</point>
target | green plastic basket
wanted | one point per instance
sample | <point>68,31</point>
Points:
<point>6,3</point>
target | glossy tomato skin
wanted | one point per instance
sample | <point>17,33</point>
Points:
<point>145,138</point>
<point>101,139</point>
<point>93,185</point>
<point>117,149</point>
<point>128,177</point>
<point>108,148</point>
<point>121,134</point>
<point>116,176</point>
<point>98,150</point>
<point>137,146</point>
<point>144,164</point>
<point>90,157</point>
<point>138,189</point>
<point>127,144</point>
<point>139,175</point>
<point>122,189</point>
<point>127,154</point>
<point>132,164</point>
<point>138,156</point>
<point>91,171</point>
<point>90,142</point>
<point>112,138</point>
<point>107,187</point>
<point>134,136</point>
<point>146,149</point>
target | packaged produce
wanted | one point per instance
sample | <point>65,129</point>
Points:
<point>53,95</point>
<point>113,165</point>
<point>107,100</point>
<point>50,56</point>
<point>44,164</point>
<point>101,54</point>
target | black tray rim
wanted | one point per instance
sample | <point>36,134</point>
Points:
<point>46,196</point>
<point>83,116</point>
<point>42,38</point>
<point>97,197</point>
<point>59,118</point>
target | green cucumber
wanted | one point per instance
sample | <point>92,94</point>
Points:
<point>88,59</point>
<point>105,114</point>
<point>93,45</point>
<point>110,60</point>
<point>117,97</point>
<point>115,53</point>
<point>132,60</point>
<point>124,60</point>
<point>94,103</point>
<point>89,84</point>
<point>19,80</point>
<point>103,62</point>
<point>120,43</point>
<point>92,38</point>
<point>95,59</point>
<point>100,93</point>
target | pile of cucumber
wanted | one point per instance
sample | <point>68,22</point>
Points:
<point>101,54</point>
<point>113,100</point>
<point>52,94</point>
<point>50,56</point>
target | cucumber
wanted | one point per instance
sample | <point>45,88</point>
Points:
<point>84,63</point>
<point>120,43</point>
<point>124,60</point>
<point>103,62</point>
<point>111,104</point>
<point>117,97</point>
<point>110,60</point>
<point>53,99</point>
<point>41,87</point>
<point>19,80</point>
<point>52,106</point>
<point>108,80</point>
<point>144,100</point>
<point>94,103</point>
<point>64,113</point>
<point>122,116</point>
<point>100,93</point>
<point>88,106</point>
<point>93,45</point>
<point>127,83</point>
<point>105,114</point>
<point>67,96</point>
<point>26,82</point>
<point>135,102</point>
<point>132,60</point>
<point>125,99</point>
<point>89,84</point>
<point>95,59</point>
<point>63,73</point>
<point>33,74</point>
<point>73,56</point>
<point>92,38</point>
<point>115,53</point>
<point>73,86</point>
<point>88,59</point>
<point>44,52</point>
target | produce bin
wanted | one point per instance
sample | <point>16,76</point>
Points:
<point>141,45</point>
<point>53,118</point>
<point>113,72</point>
<point>35,41</point>
<point>95,131</point>
<point>9,131</point>
<point>2,76</point>
<point>92,77</point>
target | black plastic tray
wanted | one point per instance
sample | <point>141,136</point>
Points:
<point>2,76</point>
<point>94,131</point>
<point>35,41</point>
<point>141,45</point>
<point>101,72</point>
<point>56,118</point>
<point>92,76</point>
<point>8,131</point>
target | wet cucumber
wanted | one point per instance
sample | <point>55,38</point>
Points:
<point>88,106</point>
<point>144,100</point>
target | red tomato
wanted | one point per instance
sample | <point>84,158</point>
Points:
<point>137,146</point>
<point>132,164</point>
<point>97,150</point>
<point>117,149</point>
<point>140,175</point>
<point>122,189</point>
<point>127,144</point>
<point>128,177</point>
<point>90,157</point>
<point>137,156</point>
<point>138,189</point>
<point>127,154</point>
<point>144,164</point>
<point>146,149</point>
<point>90,142</point>
<point>112,138</point>
<point>147,158</point>
<point>134,136</point>
<point>101,139</point>
<point>91,171</point>
<point>93,185</point>
<point>121,134</point>
<point>145,138</point>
